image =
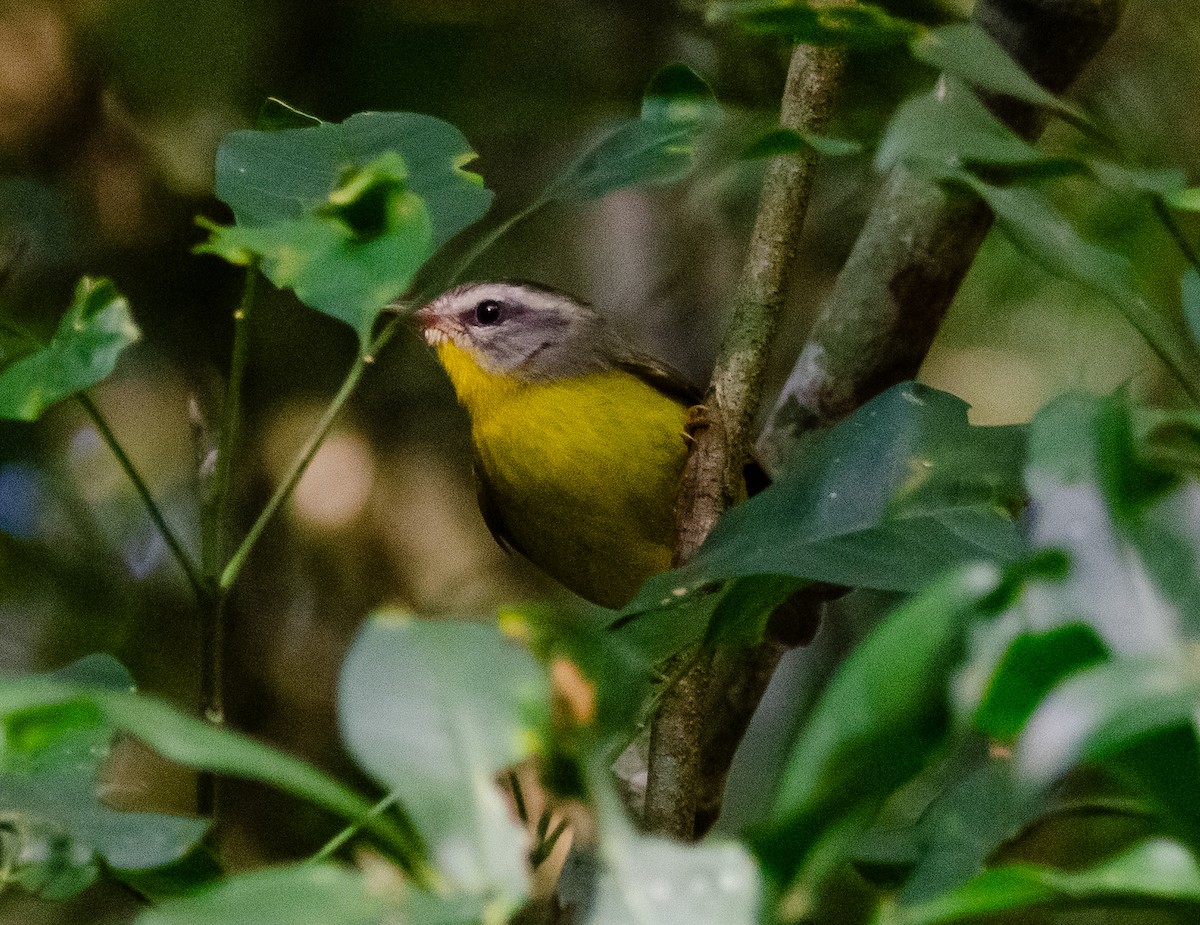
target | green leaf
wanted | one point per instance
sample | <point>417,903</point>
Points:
<point>277,176</point>
<point>1033,225</point>
<point>191,742</point>
<point>57,829</point>
<point>891,498</point>
<point>275,114</point>
<point>783,141</point>
<point>84,350</point>
<point>862,26</point>
<point>1189,288</point>
<point>1187,200</point>
<point>1032,666</point>
<point>876,723</point>
<point>966,51</point>
<point>658,147</point>
<point>352,254</point>
<point>433,710</point>
<point>303,894</point>
<point>1153,872</point>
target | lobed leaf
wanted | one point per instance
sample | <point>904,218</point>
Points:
<point>91,336</point>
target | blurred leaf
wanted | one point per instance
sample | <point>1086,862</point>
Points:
<point>196,869</point>
<point>1189,287</point>
<point>1033,225</point>
<point>658,147</point>
<point>941,132</point>
<point>191,742</point>
<point>1032,666</point>
<point>1186,199</point>
<point>966,51</point>
<point>57,830</point>
<point>84,350</point>
<point>890,498</point>
<point>876,723</point>
<point>862,26</point>
<point>433,710</point>
<point>277,176</point>
<point>302,894</point>
<point>781,141</point>
<point>1153,872</point>
<point>352,254</point>
<point>1124,520</point>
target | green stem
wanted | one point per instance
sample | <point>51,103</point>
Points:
<point>173,544</point>
<point>486,241</point>
<point>335,843</point>
<point>307,452</point>
<point>217,508</point>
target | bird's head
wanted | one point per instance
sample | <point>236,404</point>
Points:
<point>516,329</point>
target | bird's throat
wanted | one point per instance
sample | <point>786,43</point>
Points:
<point>479,391</point>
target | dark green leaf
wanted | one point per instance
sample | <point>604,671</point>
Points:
<point>1155,871</point>
<point>84,350</point>
<point>57,829</point>
<point>965,51</point>
<point>1189,288</point>
<point>191,742</point>
<point>434,710</point>
<point>890,498</point>
<point>862,26</point>
<point>1033,225</point>
<point>350,256</point>
<point>277,176</point>
<point>781,141</point>
<point>1033,664</point>
<point>876,723</point>
<point>658,147</point>
<point>304,894</point>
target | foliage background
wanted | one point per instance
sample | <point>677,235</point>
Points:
<point>110,113</point>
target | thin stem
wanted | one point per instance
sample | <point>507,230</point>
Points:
<point>152,508</point>
<point>334,844</point>
<point>307,452</point>
<point>488,240</point>
<point>217,508</point>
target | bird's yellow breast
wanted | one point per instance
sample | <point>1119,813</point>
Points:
<point>583,470</point>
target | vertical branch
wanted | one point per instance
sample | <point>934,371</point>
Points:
<point>713,479</point>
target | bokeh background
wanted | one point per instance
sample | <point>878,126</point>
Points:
<point>110,114</point>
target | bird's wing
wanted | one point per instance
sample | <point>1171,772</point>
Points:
<point>661,377</point>
<point>491,511</point>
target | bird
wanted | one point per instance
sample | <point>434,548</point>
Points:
<point>579,439</point>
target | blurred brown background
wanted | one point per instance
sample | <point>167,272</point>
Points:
<point>110,114</point>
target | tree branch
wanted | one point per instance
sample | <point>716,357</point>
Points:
<point>878,323</point>
<point>713,479</point>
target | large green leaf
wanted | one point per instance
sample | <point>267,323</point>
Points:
<point>433,710</point>
<point>1155,872</point>
<point>890,498</point>
<point>657,147</point>
<point>304,894</point>
<point>84,350</point>
<point>876,723</point>
<point>35,707</point>
<point>349,256</point>
<point>58,828</point>
<point>861,25</point>
<point>268,177</point>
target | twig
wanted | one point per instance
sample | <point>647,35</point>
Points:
<point>713,478</point>
<point>139,484</point>
<point>305,456</point>
<point>878,323</point>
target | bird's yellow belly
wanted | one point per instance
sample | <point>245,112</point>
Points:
<point>584,472</point>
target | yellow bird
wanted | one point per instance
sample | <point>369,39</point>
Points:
<point>579,439</point>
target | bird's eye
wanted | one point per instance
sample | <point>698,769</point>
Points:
<point>487,312</point>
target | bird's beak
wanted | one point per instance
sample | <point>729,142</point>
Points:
<point>429,323</point>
